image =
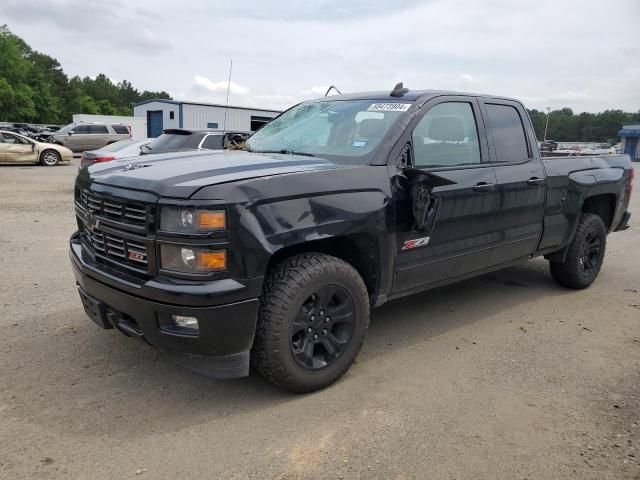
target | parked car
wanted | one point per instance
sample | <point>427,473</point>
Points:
<point>80,137</point>
<point>16,148</point>
<point>121,149</point>
<point>275,255</point>
<point>182,139</point>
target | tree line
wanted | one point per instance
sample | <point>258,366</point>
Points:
<point>35,89</point>
<point>566,126</point>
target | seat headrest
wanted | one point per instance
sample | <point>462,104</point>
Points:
<point>371,128</point>
<point>446,129</point>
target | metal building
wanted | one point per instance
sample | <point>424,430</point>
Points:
<point>161,114</point>
<point>630,145</point>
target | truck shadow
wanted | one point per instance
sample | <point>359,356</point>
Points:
<point>111,385</point>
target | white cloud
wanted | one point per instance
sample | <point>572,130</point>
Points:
<point>205,84</point>
<point>466,77</point>
<point>317,91</point>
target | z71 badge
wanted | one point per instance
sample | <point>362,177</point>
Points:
<point>415,243</point>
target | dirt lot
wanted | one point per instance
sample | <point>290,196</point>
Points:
<point>505,376</point>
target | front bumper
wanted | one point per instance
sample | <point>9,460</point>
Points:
<point>221,347</point>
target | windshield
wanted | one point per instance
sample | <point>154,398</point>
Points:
<point>342,128</point>
<point>173,141</point>
<point>66,128</point>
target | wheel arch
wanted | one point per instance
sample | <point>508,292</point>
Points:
<point>360,250</point>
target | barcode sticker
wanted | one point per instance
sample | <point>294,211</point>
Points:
<point>388,107</point>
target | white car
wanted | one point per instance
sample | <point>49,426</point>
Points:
<point>16,148</point>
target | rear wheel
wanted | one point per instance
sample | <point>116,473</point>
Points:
<point>584,256</point>
<point>314,312</point>
<point>49,158</point>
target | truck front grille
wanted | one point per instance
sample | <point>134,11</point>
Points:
<point>115,209</point>
<point>117,248</point>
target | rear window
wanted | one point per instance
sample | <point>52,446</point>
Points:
<point>508,133</point>
<point>120,129</point>
<point>173,141</point>
<point>98,129</point>
<point>213,142</point>
<point>114,147</point>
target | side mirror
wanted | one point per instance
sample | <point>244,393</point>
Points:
<point>424,204</point>
<point>69,133</point>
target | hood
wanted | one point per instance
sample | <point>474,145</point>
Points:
<point>181,175</point>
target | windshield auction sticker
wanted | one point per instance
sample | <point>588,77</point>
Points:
<point>388,107</point>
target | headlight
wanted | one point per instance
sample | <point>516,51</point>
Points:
<point>191,220</point>
<point>187,259</point>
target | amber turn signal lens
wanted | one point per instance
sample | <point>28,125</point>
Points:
<point>215,260</point>
<point>208,220</point>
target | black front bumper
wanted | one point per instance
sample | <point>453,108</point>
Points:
<point>220,348</point>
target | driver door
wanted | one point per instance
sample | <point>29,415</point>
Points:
<point>16,148</point>
<point>449,141</point>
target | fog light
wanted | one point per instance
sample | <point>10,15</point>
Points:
<point>185,322</point>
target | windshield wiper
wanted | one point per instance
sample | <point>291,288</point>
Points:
<point>285,152</point>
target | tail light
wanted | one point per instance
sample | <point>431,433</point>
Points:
<point>103,159</point>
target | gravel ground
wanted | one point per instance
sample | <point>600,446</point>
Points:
<point>505,376</point>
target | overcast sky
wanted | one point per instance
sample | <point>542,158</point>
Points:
<point>584,54</point>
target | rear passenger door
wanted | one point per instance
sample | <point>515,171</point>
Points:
<point>449,140</point>
<point>520,179</point>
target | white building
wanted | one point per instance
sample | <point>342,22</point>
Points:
<point>161,114</point>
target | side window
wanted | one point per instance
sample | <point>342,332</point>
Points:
<point>446,136</point>
<point>8,138</point>
<point>508,133</point>
<point>213,142</point>
<point>98,129</point>
<point>120,129</point>
<point>81,129</point>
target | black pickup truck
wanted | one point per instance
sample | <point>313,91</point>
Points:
<point>274,255</point>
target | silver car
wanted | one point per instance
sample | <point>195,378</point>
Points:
<point>80,137</point>
<point>121,149</point>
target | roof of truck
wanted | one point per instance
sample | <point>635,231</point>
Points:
<point>411,95</point>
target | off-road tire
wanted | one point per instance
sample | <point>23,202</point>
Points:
<point>44,156</point>
<point>571,273</point>
<point>287,286</point>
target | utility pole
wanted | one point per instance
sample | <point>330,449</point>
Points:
<point>546,125</point>
<point>226,107</point>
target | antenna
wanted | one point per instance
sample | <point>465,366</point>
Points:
<point>226,107</point>
<point>332,87</point>
<point>399,90</point>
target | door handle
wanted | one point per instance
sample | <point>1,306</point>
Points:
<point>483,187</point>
<point>535,181</point>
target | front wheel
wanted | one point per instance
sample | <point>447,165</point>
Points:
<point>584,256</point>
<point>49,158</point>
<point>314,312</point>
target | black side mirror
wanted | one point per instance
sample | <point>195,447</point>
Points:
<point>424,204</point>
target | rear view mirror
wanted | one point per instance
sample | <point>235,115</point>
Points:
<point>424,204</point>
